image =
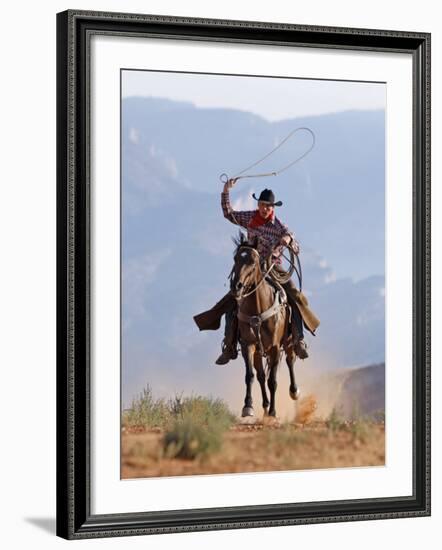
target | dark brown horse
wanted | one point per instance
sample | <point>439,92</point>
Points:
<point>263,326</point>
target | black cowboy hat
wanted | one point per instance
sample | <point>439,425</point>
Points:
<point>267,196</point>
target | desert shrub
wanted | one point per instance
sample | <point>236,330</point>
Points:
<point>201,410</point>
<point>197,427</point>
<point>379,416</point>
<point>147,411</point>
<point>175,405</point>
<point>335,421</point>
<point>360,429</point>
<point>189,438</point>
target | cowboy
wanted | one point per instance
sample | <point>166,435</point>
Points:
<point>271,235</point>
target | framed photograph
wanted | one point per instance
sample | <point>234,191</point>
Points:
<point>243,274</point>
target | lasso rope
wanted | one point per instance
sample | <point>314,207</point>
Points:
<point>283,278</point>
<point>224,178</point>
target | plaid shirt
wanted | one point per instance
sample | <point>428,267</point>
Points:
<point>269,234</point>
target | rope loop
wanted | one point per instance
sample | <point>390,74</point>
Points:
<point>225,178</point>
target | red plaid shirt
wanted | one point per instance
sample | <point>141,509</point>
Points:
<point>269,234</point>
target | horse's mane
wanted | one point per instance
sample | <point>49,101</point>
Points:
<point>241,239</point>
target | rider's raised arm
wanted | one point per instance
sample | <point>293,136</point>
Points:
<point>238,217</point>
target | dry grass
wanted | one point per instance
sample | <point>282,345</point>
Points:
<point>262,447</point>
<point>199,435</point>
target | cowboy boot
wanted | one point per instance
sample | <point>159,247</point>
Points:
<point>300,346</point>
<point>227,354</point>
<point>301,349</point>
<point>229,345</point>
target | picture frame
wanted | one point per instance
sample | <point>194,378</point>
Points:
<point>75,218</point>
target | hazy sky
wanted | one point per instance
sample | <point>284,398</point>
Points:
<point>279,98</point>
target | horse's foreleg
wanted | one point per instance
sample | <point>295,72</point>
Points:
<point>273,369</point>
<point>262,380</point>
<point>247,353</point>
<point>290,360</point>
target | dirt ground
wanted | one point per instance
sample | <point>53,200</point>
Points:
<point>260,446</point>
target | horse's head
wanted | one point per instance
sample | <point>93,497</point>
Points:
<point>246,268</point>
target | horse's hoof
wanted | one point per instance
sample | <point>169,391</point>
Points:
<point>295,394</point>
<point>247,411</point>
<point>272,413</point>
<point>266,411</point>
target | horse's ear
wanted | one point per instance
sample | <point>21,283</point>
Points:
<point>253,242</point>
<point>239,239</point>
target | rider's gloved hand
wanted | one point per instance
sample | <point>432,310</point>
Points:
<point>229,184</point>
<point>288,240</point>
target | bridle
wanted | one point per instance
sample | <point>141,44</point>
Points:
<point>263,276</point>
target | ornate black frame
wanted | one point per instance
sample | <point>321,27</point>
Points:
<point>74,519</point>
